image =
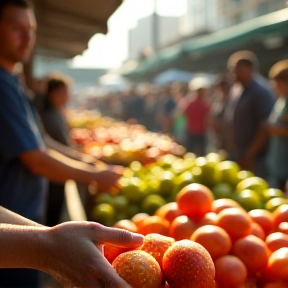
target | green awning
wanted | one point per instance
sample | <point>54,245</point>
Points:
<point>255,30</point>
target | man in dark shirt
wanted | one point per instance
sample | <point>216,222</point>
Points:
<point>25,162</point>
<point>247,111</point>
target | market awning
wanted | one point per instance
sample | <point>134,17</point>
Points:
<point>65,27</point>
<point>266,31</point>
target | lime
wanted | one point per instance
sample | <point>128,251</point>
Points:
<point>128,173</point>
<point>120,203</point>
<point>210,174</point>
<point>121,216</point>
<point>222,190</point>
<point>243,174</point>
<point>229,171</point>
<point>254,183</point>
<point>272,193</point>
<point>104,214</point>
<point>213,158</point>
<point>274,203</point>
<point>136,167</point>
<point>167,160</point>
<point>152,203</point>
<point>178,166</point>
<point>104,198</point>
<point>249,200</point>
<point>132,210</point>
<point>166,184</point>
<point>183,180</point>
<point>132,190</point>
<point>189,156</point>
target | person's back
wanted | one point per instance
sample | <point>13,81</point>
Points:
<point>277,158</point>
<point>250,103</point>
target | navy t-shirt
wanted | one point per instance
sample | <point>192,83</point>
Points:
<point>20,190</point>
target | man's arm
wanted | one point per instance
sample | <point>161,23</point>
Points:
<point>59,168</point>
<point>278,130</point>
<point>69,252</point>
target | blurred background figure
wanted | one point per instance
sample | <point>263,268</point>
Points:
<point>197,112</point>
<point>57,96</point>
<point>222,86</point>
<point>249,106</point>
<point>277,157</point>
<point>150,111</point>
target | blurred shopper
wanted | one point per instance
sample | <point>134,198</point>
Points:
<point>134,107</point>
<point>179,121</point>
<point>166,106</point>
<point>250,104</point>
<point>223,86</point>
<point>25,162</point>
<point>67,251</point>
<point>197,112</point>
<point>57,96</point>
<point>150,111</point>
<point>278,128</point>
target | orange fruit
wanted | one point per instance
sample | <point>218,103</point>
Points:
<point>230,272</point>
<point>208,219</point>
<point>126,225</point>
<point>169,211</point>
<point>188,264</point>
<point>111,252</point>
<point>253,252</point>
<point>264,218</point>
<point>257,231</point>
<point>182,228</point>
<point>156,245</point>
<point>278,264</point>
<point>214,239</point>
<point>195,200</point>
<point>281,214</point>
<point>139,269</point>
<point>278,284</point>
<point>235,221</point>
<point>154,224</point>
<point>283,227</point>
<point>139,218</point>
<point>221,204</point>
<point>276,241</point>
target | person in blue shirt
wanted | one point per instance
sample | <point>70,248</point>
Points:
<point>277,157</point>
<point>249,106</point>
<point>25,161</point>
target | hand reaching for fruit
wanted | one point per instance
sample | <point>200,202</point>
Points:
<point>75,260</point>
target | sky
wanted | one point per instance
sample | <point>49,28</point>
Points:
<point>109,51</point>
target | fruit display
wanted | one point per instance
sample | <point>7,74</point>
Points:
<point>145,188</point>
<point>218,244</point>
<point>117,142</point>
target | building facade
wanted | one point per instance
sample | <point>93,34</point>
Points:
<point>147,31</point>
<point>232,12</point>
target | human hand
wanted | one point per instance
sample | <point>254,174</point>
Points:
<point>107,180</point>
<point>73,256</point>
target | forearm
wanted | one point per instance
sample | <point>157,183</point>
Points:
<point>8,217</point>
<point>279,131</point>
<point>22,246</point>
<point>258,142</point>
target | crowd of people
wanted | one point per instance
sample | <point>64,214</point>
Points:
<point>241,112</point>
<point>241,109</point>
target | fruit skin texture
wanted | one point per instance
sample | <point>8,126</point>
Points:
<point>139,269</point>
<point>257,231</point>
<point>187,264</point>
<point>182,228</point>
<point>156,245</point>
<point>278,264</point>
<point>230,272</point>
<point>281,214</point>
<point>154,224</point>
<point>169,211</point>
<point>214,239</point>
<point>222,204</point>
<point>195,200</point>
<point>111,252</point>
<point>264,219</point>
<point>235,221</point>
<point>276,241</point>
<point>253,252</point>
